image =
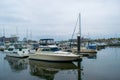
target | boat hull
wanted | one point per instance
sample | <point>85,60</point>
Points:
<point>54,57</point>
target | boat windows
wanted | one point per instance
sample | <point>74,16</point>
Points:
<point>10,49</point>
<point>45,49</point>
<point>17,46</point>
<point>20,49</point>
<point>14,52</point>
<point>51,49</point>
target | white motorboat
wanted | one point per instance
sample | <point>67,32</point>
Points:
<point>17,50</point>
<point>53,53</point>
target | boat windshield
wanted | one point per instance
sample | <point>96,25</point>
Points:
<point>55,49</point>
<point>51,49</point>
<point>10,49</point>
<point>20,46</point>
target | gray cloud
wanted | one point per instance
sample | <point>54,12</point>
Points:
<point>57,17</point>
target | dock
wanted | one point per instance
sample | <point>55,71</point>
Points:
<point>84,50</point>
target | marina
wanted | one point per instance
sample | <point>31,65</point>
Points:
<point>103,65</point>
<point>59,40</point>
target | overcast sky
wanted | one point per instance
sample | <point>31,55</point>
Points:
<point>56,18</point>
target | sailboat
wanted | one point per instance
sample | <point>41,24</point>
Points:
<point>79,49</point>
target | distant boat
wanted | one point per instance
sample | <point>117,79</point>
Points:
<point>53,53</point>
<point>92,46</point>
<point>17,50</point>
<point>2,46</point>
<point>84,50</point>
<point>33,48</point>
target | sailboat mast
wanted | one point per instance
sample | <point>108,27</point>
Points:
<point>17,32</point>
<point>79,36</point>
<point>31,35</point>
<point>27,34</point>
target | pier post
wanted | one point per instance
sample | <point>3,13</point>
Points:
<point>79,69</point>
<point>78,44</point>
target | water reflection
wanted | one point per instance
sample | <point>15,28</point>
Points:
<point>105,65</point>
<point>92,56</point>
<point>17,64</point>
<point>48,70</point>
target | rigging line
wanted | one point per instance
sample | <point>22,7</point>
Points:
<point>75,28</point>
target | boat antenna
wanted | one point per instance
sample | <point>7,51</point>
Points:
<point>4,35</point>
<point>17,31</point>
<point>27,35</point>
<point>4,31</point>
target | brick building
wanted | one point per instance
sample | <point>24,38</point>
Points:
<point>8,39</point>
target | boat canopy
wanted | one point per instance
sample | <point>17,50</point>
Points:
<point>46,41</point>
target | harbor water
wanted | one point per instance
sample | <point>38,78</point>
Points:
<point>105,65</point>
